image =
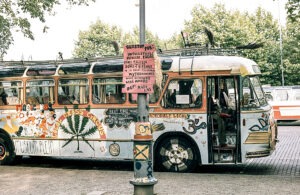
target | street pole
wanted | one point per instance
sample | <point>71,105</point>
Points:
<point>143,181</point>
<point>280,45</point>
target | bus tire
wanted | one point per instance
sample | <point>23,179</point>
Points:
<point>7,153</point>
<point>175,154</point>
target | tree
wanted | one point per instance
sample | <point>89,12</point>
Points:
<point>291,50</point>
<point>293,10</point>
<point>234,28</point>
<point>268,57</point>
<point>17,15</point>
<point>291,41</point>
<point>5,37</point>
<point>133,38</point>
<point>230,28</point>
<point>291,72</point>
<point>102,39</point>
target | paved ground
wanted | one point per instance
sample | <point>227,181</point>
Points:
<point>285,161</point>
<point>276,174</point>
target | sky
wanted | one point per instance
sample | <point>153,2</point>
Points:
<point>163,17</point>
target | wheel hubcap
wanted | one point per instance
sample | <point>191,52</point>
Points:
<point>176,155</point>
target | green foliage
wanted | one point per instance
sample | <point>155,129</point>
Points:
<point>17,15</point>
<point>292,72</point>
<point>233,28</point>
<point>291,43</point>
<point>230,28</point>
<point>174,42</point>
<point>101,38</point>
<point>5,36</point>
<point>293,10</point>
<point>98,41</point>
<point>133,38</point>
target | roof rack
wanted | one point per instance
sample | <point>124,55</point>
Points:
<point>200,51</point>
<point>184,52</point>
<point>192,52</point>
<point>57,62</point>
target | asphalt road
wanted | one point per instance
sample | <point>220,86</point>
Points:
<point>276,174</point>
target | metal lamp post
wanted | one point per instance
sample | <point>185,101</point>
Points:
<point>142,149</point>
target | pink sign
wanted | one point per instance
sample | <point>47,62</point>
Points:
<point>139,68</point>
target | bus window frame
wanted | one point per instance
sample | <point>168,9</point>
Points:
<point>107,97</point>
<point>6,99</point>
<point>41,98</point>
<point>66,98</point>
<point>165,95</point>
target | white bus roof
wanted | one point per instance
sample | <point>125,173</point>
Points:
<point>237,65</point>
<point>173,63</point>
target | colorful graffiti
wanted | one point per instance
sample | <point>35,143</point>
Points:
<point>38,147</point>
<point>120,117</point>
<point>85,117</point>
<point>77,121</point>
<point>194,126</point>
<point>41,122</point>
<point>30,121</point>
<point>168,115</point>
<point>263,124</point>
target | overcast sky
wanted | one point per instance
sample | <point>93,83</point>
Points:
<point>163,17</point>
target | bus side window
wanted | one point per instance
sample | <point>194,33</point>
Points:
<point>73,91</point>
<point>3,98</point>
<point>10,92</point>
<point>108,91</point>
<point>153,97</point>
<point>39,92</point>
<point>31,94</point>
<point>184,93</point>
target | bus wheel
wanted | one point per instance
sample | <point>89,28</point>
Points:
<point>175,154</point>
<point>6,151</point>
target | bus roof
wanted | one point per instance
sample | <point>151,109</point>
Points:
<point>237,65</point>
<point>173,63</point>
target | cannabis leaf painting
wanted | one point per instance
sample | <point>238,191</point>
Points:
<point>76,128</point>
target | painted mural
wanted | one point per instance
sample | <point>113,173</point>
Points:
<point>76,126</point>
<point>120,117</point>
<point>263,125</point>
<point>29,121</point>
<point>42,125</point>
<point>75,130</point>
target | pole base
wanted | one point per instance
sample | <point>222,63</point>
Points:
<point>144,187</point>
<point>143,190</point>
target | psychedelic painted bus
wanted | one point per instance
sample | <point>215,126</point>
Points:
<point>209,109</point>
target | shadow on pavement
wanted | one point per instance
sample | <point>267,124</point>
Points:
<point>71,163</point>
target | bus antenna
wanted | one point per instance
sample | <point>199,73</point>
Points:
<point>60,56</point>
<point>210,36</point>
<point>116,47</point>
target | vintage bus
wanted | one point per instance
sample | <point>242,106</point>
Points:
<point>210,109</point>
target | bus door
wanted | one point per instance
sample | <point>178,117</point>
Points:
<point>223,119</point>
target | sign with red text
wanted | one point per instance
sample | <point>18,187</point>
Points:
<point>139,68</point>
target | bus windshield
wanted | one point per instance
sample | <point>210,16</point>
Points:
<point>253,96</point>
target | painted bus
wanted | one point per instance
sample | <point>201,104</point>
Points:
<point>285,101</point>
<point>209,109</point>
